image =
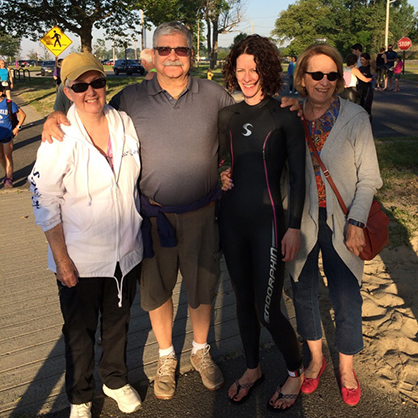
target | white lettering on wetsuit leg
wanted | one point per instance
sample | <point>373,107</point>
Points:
<point>270,286</point>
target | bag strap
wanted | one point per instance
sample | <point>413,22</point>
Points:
<point>327,175</point>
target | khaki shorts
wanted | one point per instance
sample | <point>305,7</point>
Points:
<point>196,255</point>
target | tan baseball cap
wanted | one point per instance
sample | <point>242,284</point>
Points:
<point>78,63</point>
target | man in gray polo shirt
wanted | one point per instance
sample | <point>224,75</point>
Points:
<point>175,116</point>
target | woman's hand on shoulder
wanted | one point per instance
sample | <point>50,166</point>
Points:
<point>227,183</point>
<point>290,244</point>
<point>354,240</point>
<point>52,127</point>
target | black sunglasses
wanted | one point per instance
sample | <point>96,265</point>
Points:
<point>319,75</point>
<point>181,51</point>
<point>99,83</point>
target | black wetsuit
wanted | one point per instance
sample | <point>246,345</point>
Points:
<point>259,140</point>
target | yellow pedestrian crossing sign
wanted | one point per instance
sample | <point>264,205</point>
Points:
<point>56,40</point>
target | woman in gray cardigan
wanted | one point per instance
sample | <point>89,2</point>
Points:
<point>342,134</point>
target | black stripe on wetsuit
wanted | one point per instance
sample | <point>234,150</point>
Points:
<point>259,140</point>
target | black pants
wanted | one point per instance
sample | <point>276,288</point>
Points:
<point>80,307</point>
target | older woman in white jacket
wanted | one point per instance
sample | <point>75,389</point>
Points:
<point>86,200</point>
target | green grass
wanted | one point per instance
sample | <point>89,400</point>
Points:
<point>398,161</point>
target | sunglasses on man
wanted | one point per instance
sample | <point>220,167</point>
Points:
<point>180,51</point>
<point>319,75</point>
<point>99,83</point>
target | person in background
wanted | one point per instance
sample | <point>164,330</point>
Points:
<point>209,74</point>
<point>259,139</point>
<point>6,79</point>
<point>381,69</point>
<point>342,135</point>
<point>351,77</point>
<point>86,200</point>
<point>290,72</point>
<point>397,72</point>
<point>391,56</point>
<point>57,73</point>
<point>365,89</point>
<point>7,133</point>
<point>357,50</point>
<point>62,102</point>
<point>147,62</point>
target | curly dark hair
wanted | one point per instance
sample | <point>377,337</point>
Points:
<point>268,61</point>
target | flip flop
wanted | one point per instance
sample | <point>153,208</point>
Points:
<point>281,395</point>
<point>249,386</point>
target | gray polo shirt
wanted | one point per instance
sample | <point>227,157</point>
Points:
<point>179,138</point>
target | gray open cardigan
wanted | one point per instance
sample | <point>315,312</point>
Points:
<point>349,154</point>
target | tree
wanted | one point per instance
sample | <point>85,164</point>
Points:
<point>221,17</point>
<point>342,23</point>
<point>100,49</point>
<point>80,17</point>
<point>241,36</point>
<point>9,47</point>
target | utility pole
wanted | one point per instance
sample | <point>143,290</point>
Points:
<point>388,2</point>
<point>142,31</point>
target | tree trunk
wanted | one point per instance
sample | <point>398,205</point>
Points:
<point>209,38</point>
<point>214,51</point>
<point>86,37</point>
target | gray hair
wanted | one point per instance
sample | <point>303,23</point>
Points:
<point>146,55</point>
<point>170,28</point>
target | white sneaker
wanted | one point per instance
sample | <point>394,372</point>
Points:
<point>80,411</point>
<point>126,397</point>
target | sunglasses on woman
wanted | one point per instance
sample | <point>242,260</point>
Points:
<point>180,51</point>
<point>319,75</point>
<point>99,83</point>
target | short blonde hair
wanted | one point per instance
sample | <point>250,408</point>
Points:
<point>302,65</point>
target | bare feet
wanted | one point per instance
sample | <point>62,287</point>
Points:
<point>237,393</point>
<point>286,396</point>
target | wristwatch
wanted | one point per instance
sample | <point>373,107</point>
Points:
<point>356,223</point>
<point>19,127</point>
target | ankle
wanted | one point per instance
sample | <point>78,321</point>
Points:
<point>166,351</point>
<point>197,346</point>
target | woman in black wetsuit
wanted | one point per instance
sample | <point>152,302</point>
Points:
<point>258,139</point>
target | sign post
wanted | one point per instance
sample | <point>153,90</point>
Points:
<point>404,44</point>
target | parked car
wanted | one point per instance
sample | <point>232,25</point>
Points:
<point>47,68</point>
<point>128,66</point>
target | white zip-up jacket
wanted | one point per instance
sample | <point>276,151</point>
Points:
<point>73,183</point>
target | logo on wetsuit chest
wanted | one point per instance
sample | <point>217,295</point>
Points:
<point>246,128</point>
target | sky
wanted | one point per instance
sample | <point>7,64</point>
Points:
<point>260,13</point>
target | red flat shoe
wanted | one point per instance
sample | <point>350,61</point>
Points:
<point>309,385</point>
<point>351,396</point>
